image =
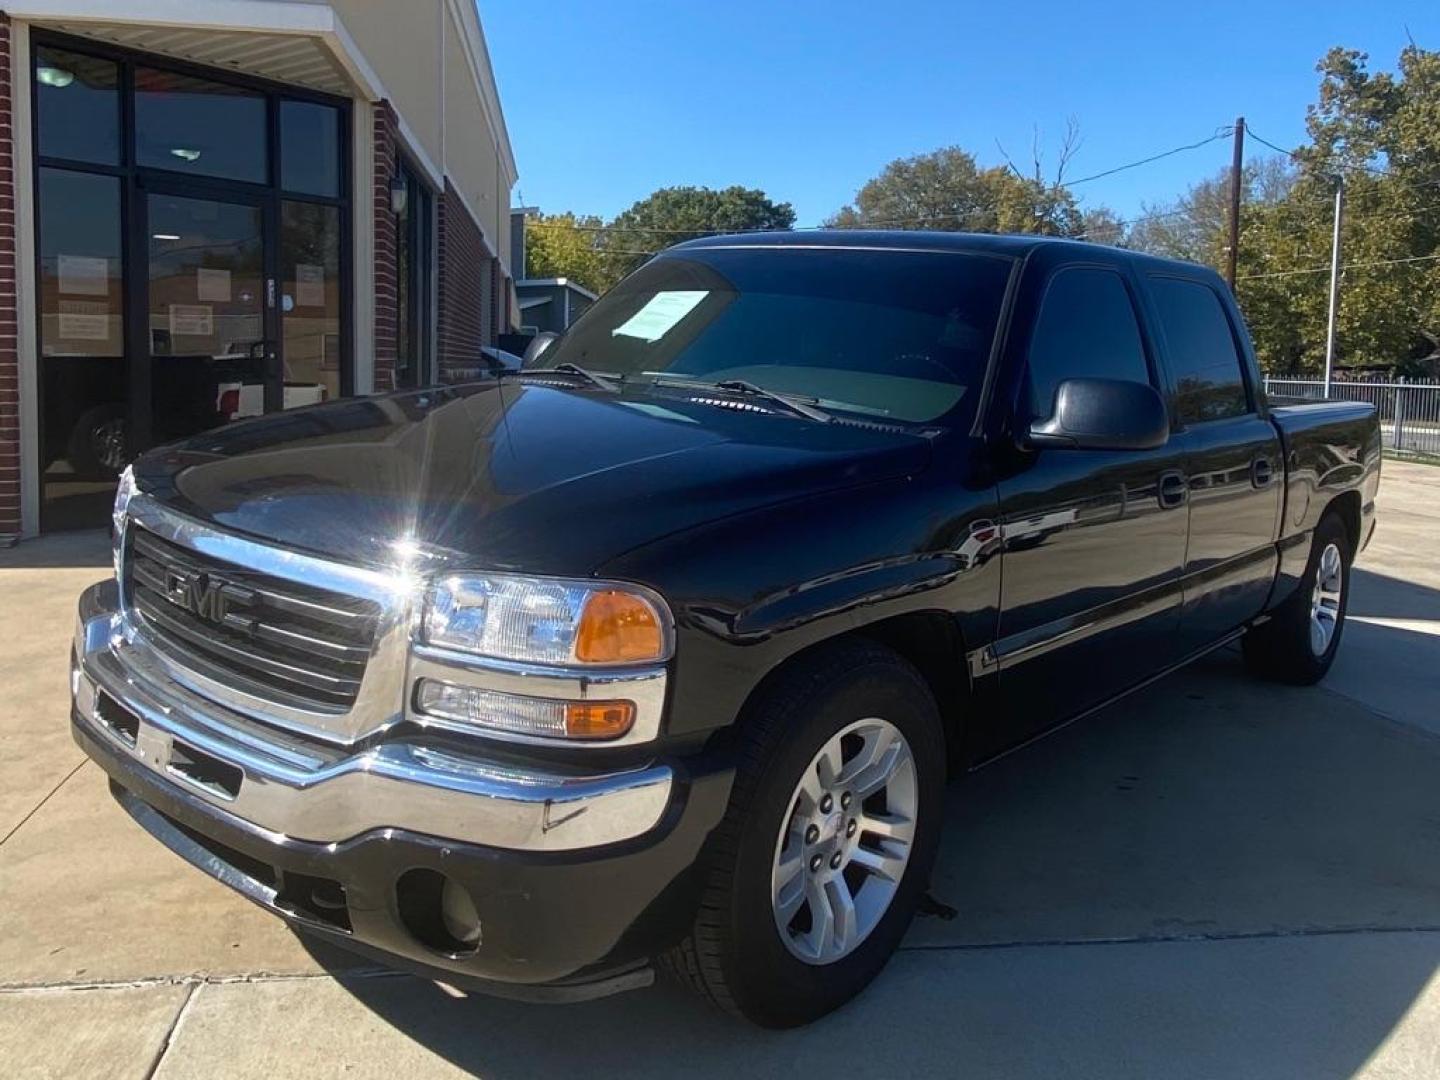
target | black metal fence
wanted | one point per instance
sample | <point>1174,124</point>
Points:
<point>1409,411</point>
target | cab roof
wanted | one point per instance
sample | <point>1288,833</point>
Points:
<point>1014,245</point>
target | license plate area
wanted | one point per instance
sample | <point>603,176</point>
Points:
<point>204,771</point>
<point>120,720</point>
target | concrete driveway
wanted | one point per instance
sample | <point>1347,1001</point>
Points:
<point>1215,878</point>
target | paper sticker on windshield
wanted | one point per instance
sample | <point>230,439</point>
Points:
<point>660,313</point>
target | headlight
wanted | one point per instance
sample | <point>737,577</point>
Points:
<point>524,715</point>
<point>547,620</point>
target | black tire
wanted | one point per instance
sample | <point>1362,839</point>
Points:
<point>86,449</point>
<point>1281,648</point>
<point>734,955</point>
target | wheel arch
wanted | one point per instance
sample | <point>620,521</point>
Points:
<point>1346,506</point>
<point>931,641</point>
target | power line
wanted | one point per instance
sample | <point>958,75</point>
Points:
<point>1360,166</point>
<point>1220,133</point>
<point>531,224</point>
<point>1344,266</point>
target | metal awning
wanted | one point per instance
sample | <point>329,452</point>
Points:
<point>302,59</point>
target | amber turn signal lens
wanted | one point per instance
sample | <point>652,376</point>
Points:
<point>618,628</point>
<point>598,719</point>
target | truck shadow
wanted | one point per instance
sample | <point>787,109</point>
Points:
<point>1215,877</point>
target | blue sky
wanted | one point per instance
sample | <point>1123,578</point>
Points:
<point>607,100</point>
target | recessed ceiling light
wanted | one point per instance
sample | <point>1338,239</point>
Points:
<point>54,76</point>
<point>184,153</point>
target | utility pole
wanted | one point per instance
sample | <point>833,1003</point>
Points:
<point>1334,280</point>
<point>1237,161</point>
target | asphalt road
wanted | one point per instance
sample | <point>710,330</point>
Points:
<point>1215,878</point>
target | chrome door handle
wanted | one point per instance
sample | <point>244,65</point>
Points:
<point>1261,472</point>
<point>1174,490</point>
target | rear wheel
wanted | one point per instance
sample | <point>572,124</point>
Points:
<point>1299,642</point>
<point>828,841</point>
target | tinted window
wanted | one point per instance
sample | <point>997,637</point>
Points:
<point>197,126</point>
<point>1086,329</point>
<point>78,104</point>
<point>80,283</point>
<point>1201,351</point>
<point>895,334</point>
<point>309,148</point>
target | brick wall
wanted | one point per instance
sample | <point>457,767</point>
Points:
<point>462,258</point>
<point>9,354</point>
<point>386,301</point>
<point>497,275</point>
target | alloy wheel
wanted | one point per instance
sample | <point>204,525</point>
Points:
<point>107,441</point>
<point>1325,599</point>
<point>845,842</point>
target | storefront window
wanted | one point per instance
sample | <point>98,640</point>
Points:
<point>84,371</point>
<point>77,99</point>
<point>199,127</point>
<point>309,148</point>
<point>310,301</point>
<point>192,243</point>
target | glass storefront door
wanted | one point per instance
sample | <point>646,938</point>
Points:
<point>209,314</point>
<point>192,234</point>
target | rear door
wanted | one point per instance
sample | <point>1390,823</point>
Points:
<point>1094,541</point>
<point>1233,458</point>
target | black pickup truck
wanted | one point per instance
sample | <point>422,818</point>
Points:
<point>659,650</point>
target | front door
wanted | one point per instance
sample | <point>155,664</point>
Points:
<point>209,354</point>
<point>1094,541</point>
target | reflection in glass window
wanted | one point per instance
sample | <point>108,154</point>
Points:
<point>206,314</point>
<point>309,148</point>
<point>1201,350</point>
<point>199,127</point>
<point>77,102</point>
<point>80,296</point>
<point>83,368</point>
<point>904,335</point>
<point>1086,329</point>
<point>310,301</point>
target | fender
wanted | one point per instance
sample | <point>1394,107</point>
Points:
<point>750,592</point>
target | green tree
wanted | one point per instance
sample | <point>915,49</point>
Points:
<point>948,190</point>
<point>672,215</point>
<point>1380,132</point>
<point>564,245</point>
<point>1196,226</point>
<point>1101,225</point>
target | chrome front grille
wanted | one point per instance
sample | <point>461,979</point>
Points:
<point>278,639</point>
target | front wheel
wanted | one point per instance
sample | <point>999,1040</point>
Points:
<point>828,841</point>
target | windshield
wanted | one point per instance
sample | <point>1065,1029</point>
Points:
<point>901,335</point>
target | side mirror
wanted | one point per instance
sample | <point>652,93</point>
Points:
<point>1104,414</point>
<point>538,344</point>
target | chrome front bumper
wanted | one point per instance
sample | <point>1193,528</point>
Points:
<point>307,790</point>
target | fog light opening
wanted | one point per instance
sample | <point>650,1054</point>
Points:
<point>438,912</point>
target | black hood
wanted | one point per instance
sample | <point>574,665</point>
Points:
<point>510,476</point>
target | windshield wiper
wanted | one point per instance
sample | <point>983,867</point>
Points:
<point>792,403</point>
<point>595,378</point>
